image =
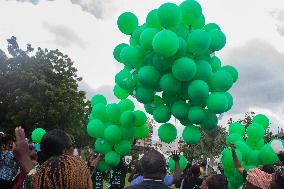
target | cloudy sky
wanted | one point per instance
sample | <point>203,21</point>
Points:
<point>86,31</point>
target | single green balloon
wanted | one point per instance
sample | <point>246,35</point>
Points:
<point>255,131</point>
<point>96,128</point>
<point>211,26</point>
<point>267,155</point>
<point>191,135</point>
<point>191,10</point>
<point>237,127</point>
<point>185,122</point>
<point>203,70</point>
<point>112,158</point>
<point>180,109</point>
<point>99,112</point>
<point>37,135</point>
<point>141,132</point>
<point>198,90</point>
<point>198,41</point>
<point>162,64</point>
<point>165,43</point>
<point>253,158</point>
<point>232,138</point>
<point>127,118</point>
<point>262,120</point>
<point>126,104</point>
<point>218,40</point>
<point>98,99</point>
<point>184,69</point>
<point>127,133</point>
<point>113,112</point>
<point>215,63</point>
<point>210,122</point>
<point>199,22</point>
<point>233,71</point>
<point>147,37</point>
<point>126,80</point>
<point>169,15</point>
<point>167,132</point>
<point>230,101</point>
<point>127,22</point>
<point>152,20</point>
<point>170,84</point>
<point>162,114</point>
<point>103,166</point>
<point>149,76</point>
<point>102,146</point>
<point>117,51</point>
<point>217,102</point>
<point>123,148</point>
<point>140,118</point>
<point>131,57</point>
<point>120,93</point>
<point>221,81</point>
<point>196,115</point>
<point>169,98</point>
<point>182,163</point>
<point>112,134</point>
<point>144,94</point>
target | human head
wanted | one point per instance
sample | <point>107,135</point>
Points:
<point>214,182</point>
<point>60,172</point>
<point>54,143</point>
<point>220,167</point>
<point>195,170</point>
<point>7,142</point>
<point>153,165</point>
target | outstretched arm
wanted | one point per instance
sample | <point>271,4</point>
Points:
<point>177,174</point>
<point>236,160</point>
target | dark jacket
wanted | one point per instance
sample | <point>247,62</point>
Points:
<point>149,184</point>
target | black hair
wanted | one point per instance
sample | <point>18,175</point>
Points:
<point>54,143</point>
<point>216,182</point>
<point>195,170</point>
<point>268,169</point>
<point>153,165</point>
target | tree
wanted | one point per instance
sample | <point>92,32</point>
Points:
<point>40,89</point>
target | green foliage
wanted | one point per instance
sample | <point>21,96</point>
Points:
<point>39,88</point>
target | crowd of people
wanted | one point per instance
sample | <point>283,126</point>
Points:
<point>56,167</point>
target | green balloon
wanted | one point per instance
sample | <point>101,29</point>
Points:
<point>113,112</point>
<point>191,135</point>
<point>234,137</point>
<point>184,91</point>
<point>243,147</point>
<point>165,43</point>
<point>198,41</point>
<point>112,158</point>
<point>123,148</point>
<point>182,50</point>
<point>167,133</point>
<point>144,95</point>
<point>127,118</point>
<point>198,91</point>
<point>184,69</point>
<point>181,30</point>
<point>99,112</point>
<point>37,135</point>
<point>203,70</point>
<point>151,106</point>
<point>237,127</point>
<point>170,84</point>
<point>162,114</point>
<point>255,143</point>
<point>182,163</point>
<point>218,40</point>
<point>117,51</point>
<point>148,76</point>
<point>102,146</point>
<point>210,122</point>
<point>131,57</point>
<point>169,98</point>
<point>196,115</point>
<point>141,132</point>
<point>103,166</point>
<point>221,81</point>
<point>96,128</point>
<point>125,80</point>
<point>98,99</point>
<point>148,60</point>
<point>255,131</point>
<point>199,22</point>
<point>180,109</point>
<point>112,134</point>
<point>127,22</point>
<point>227,158</point>
<point>126,104</point>
<point>215,63</point>
<point>253,158</point>
<point>217,102</point>
<point>147,37</point>
<point>262,120</point>
<point>127,133</point>
<point>267,155</point>
<point>211,26</point>
<point>233,71</point>
<point>191,10</point>
<point>162,64</point>
<point>185,122</point>
<point>140,118</point>
<point>169,15</point>
<point>137,33</point>
<point>120,93</point>
<point>230,100</point>
<point>152,20</point>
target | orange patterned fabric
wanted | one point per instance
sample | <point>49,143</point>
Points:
<point>259,178</point>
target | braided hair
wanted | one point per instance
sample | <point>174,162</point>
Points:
<point>62,172</point>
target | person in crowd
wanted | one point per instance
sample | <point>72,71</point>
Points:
<point>8,164</point>
<point>153,165</point>
<point>214,182</point>
<point>168,179</point>
<point>118,175</point>
<point>97,176</point>
<point>136,172</point>
<point>221,169</point>
<point>192,180</point>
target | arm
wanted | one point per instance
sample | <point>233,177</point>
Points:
<point>236,160</point>
<point>96,161</point>
<point>177,174</point>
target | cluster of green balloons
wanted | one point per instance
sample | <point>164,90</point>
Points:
<point>115,126</point>
<point>250,148</point>
<point>37,135</point>
<point>170,67</point>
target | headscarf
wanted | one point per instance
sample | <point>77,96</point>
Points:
<point>259,178</point>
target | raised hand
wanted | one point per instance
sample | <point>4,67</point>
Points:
<point>20,147</point>
<point>175,155</point>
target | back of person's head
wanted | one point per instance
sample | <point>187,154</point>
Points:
<point>153,165</point>
<point>216,182</point>
<point>54,143</point>
<point>195,170</point>
<point>279,179</point>
<point>62,172</point>
<point>7,141</point>
<point>268,169</point>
